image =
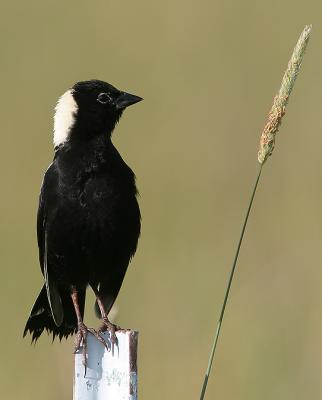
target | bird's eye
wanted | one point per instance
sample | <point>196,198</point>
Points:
<point>104,98</point>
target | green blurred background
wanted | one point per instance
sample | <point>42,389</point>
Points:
<point>208,71</point>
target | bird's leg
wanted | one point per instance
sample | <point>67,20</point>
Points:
<point>107,324</point>
<point>81,335</point>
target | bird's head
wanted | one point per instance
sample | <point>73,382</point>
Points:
<point>88,109</point>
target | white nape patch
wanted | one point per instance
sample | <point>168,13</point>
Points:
<point>64,119</point>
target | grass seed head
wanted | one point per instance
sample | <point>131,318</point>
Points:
<point>267,140</point>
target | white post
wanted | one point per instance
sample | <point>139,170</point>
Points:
<point>108,377</point>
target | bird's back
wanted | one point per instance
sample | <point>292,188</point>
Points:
<point>93,218</point>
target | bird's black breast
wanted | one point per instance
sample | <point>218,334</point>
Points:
<point>89,209</point>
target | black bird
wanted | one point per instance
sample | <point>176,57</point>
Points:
<point>88,221</point>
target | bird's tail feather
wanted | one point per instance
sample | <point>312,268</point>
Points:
<point>41,319</point>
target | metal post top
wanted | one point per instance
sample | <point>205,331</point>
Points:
<point>108,376</point>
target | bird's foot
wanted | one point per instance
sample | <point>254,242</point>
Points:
<point>111,328</point>
<point>81,339</point>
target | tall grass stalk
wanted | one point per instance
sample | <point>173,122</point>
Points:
<point>267,143</point>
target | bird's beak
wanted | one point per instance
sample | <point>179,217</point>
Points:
<point>126,99</point>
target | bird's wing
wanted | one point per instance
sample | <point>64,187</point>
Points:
<point>111,283</point>
<point>53,295</point>
<point>110,287</point>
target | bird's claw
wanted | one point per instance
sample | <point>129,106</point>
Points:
<point>81,339</point>
<point>111,328</point>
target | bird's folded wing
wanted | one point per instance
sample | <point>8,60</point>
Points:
<point>53,295</point>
